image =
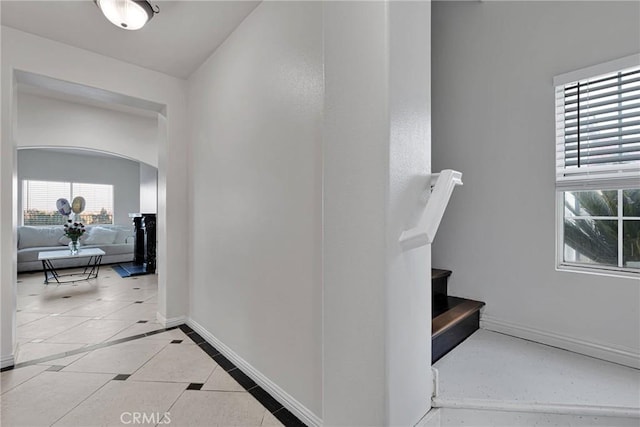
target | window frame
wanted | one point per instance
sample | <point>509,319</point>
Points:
<point>572,180</point>
<point>607,270</point>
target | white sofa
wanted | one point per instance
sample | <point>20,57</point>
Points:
<point>115,240</point>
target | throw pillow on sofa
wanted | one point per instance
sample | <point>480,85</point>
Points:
<point>125,235</point>
<point>99,236</point>
<point>33,237</point>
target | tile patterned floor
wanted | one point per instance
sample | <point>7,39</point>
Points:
<point>164,378</point>
<point>88,361</point>
<point>53,319</point>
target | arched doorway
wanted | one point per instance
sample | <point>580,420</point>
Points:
<point>30,84</point>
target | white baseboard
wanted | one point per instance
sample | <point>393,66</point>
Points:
<point>296,408</point>
<point>7,360</point>
<point>171,322</point>
<point>623,356</point>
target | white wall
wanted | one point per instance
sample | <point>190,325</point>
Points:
<point>376,138</point>
<point>301,185</point>
<point>49,122</point>
<point>39,56</point>
<point>123,174</point>
<point>493,98</point>
<point>408,290</point>
<point>148,189</point>
<point>255,109</point>
<point>356,163</point>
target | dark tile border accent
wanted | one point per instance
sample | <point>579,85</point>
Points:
<point>175,341</point>
<point>209,349</point>
<point>272,405</point>
<point>186,329</point>
<point>54,368</point>
<point>224,363</point>
<point>196,338</point>
<point>121,377</point>
<point>194,386</point>
<point>85,349</point>
<point>242,379</point>
<point>265,398</point>
<point>287,418</point>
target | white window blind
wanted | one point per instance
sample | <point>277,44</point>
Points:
<point>598,130</point>
<point>39,202</point>
<point>98,197</point>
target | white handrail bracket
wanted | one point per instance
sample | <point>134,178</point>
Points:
<point>437,199</point>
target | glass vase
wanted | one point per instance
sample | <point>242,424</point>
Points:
<point>74,247</point>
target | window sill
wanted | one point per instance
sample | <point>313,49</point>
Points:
<point>600,271</point>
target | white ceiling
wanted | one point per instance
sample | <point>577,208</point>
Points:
<point>175,42</point>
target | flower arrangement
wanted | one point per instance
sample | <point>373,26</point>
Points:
<point>73,230</point>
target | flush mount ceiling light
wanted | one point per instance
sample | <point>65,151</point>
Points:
<point>127,14</point>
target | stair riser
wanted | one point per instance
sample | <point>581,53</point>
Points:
<point>439,287</point>
<point>449,339</point>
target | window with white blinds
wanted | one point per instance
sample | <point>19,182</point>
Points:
<point>598,168</point>
<point>39,202</point>
<point>598,129</point>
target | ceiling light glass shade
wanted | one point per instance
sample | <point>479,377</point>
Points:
<point>127,14</point>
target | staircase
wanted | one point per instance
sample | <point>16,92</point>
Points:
<point>453,319</point>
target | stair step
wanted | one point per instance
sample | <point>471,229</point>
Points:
<point>457,309</point>
<point>439,280</point>
<point>454,320</point>
<point>437,273</point>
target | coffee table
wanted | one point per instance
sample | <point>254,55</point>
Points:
<point>90,270</point>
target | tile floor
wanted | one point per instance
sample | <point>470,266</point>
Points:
<point>53,319</point>
<point>165,378</point>
<point>72,372</point>
<point>90,354</point>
